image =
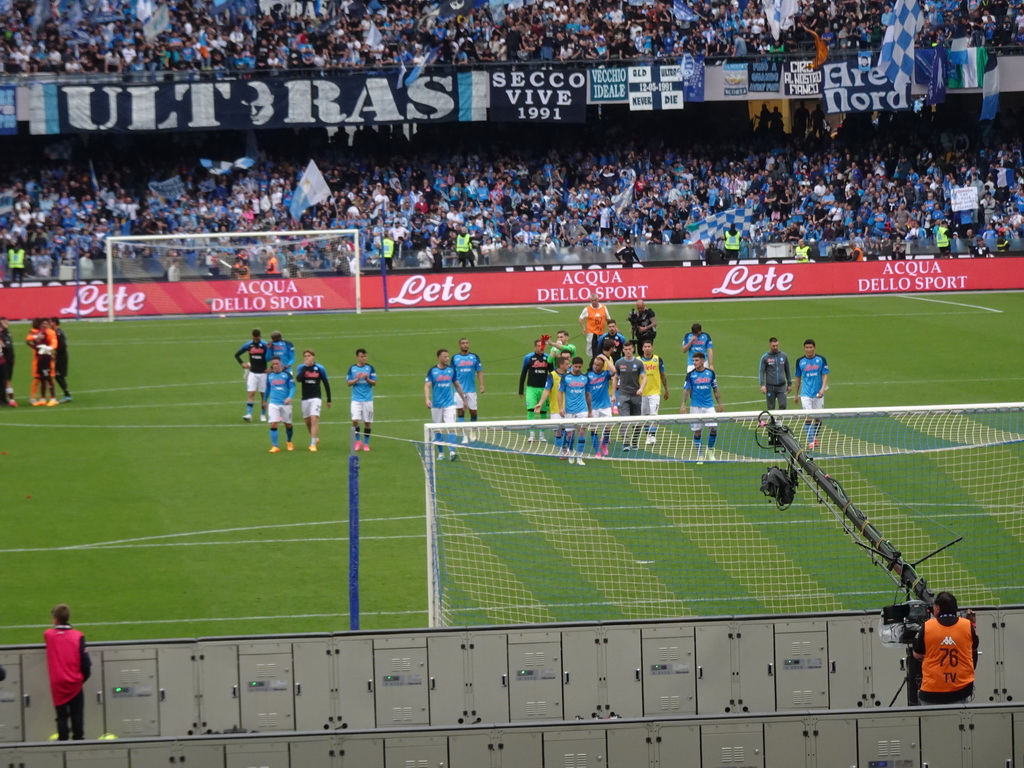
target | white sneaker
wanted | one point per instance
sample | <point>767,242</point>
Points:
<point>263,417</point>
<point>531,438</point>
<point>465,439</point>
<point>453,456</point>
<point>700,457</point>
<point>247,417</point>
<point>711,454</point>
<point>542,438</point>
<point>651,439</point>
<point>572,460</point>
<point>580,462</point>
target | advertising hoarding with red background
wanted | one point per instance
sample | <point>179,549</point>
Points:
<point>551,286</point>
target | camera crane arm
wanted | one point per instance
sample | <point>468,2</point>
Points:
<point>899,570</point>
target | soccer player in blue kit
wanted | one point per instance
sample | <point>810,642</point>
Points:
<point>811,382</point>
<point>439,390</point>
<point>698,341</point>
<point>362,378</point>
<point>256,371</point>
<point>279,393</point>
<point>282,349</point>
<point>470,372</point>
<point>576,404</point>
<point>310,376</point>
<point>701,391</point>
<point>598,377</point>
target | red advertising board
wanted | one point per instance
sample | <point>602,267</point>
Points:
<point>550,286</point>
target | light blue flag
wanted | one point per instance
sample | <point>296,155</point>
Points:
<point>312,190</point>
<point>418,69</point>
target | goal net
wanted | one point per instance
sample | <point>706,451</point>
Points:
<point>518,533</point>
<point>234,272</point>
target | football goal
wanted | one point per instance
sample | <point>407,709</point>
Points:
<point>531,522</point>
<point>271,271</point>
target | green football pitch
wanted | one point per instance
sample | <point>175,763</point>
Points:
<point>150,507</point>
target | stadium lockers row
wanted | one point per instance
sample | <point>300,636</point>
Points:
<point>988,737</point>
<point>450,677</point>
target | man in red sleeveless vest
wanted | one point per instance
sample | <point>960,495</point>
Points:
<point>947,646</point>
<point>69,666</point>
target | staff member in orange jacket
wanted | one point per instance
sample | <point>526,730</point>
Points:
<point>594,322</point>
<point>947,647</point>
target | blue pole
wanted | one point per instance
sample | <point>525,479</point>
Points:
<point>353,541</point>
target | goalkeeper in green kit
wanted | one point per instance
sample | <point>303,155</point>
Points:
<point>533,377</point>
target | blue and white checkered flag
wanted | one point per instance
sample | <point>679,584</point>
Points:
<point>713,226</point>
<point>896,59</point>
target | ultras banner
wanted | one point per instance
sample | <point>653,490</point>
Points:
<point>538,96</point>
<point>451,289</point>
<point>344,100</point>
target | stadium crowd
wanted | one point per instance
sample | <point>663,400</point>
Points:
<point>573,196</point>
<point>109,36</point>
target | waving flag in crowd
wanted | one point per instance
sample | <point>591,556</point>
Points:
<point>896,59</point>
<point>712,227</point>
<point>311,190</point>
<point>221,167</point>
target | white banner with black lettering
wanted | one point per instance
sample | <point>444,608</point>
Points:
<point>963,198</point>
<point>538,96</point>
<point>656,88</point>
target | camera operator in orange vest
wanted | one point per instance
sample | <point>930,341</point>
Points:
<point>947,647</point>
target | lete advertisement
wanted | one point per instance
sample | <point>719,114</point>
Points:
<point>555,286</point>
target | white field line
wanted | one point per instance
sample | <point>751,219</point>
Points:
<point>954,303</point>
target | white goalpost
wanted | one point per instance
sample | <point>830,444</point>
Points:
<point>518,533</point>
<point>216,256</point>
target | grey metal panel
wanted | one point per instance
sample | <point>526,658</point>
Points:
<point>132,692</point>
<point>96,758</point>
<point>353,673</point>
<point>668,671</point>
<point>835,741</point>
<point>575,748</point>
<point>265,754</point>
<point>178,690</point>
<point>312,753</point>
<point>11,728</point>
<point>989,675</point>
<point>400,681</point>
<point>415,752</point>
<point>623,687</point>
<point>894,742</point>
<point>849,663</point>
<point>738,744</point>
<point>471,750</point>
<point>267,696</point>
<point>190,755</point>
<point>35,758</point>
<point>36,700</point>
<point>676,744</point>
<point>449,684</point>
<point>535,676</point>
<point>219,694</point>
<point>315,698</point>
<point>943,740</point>
<point>630,748</point>
<point>519,749</point>
<point>488,663</point>
<point>789,744</point>
<point>1011,672</point>
<point>991,739</point>
<point>755,657</point>
<point>582,673</point>
<point>801,665</point>
<point>717,689</point>
<point>361,752</point>
<point>95,700</point>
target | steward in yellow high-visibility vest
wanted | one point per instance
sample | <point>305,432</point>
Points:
<point>16,263</point>
<point>388,252</point>
<point>732,242</point>
<point>803,252</point>
<point>942,238</point>
<point>464,248</point>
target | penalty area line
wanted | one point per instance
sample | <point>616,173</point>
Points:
<point>952,303</point>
